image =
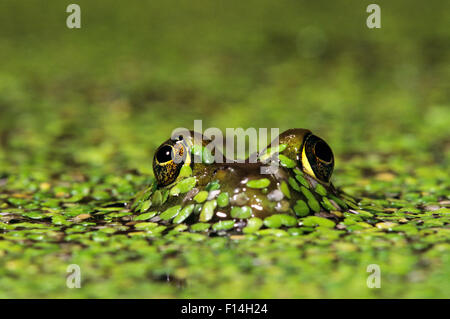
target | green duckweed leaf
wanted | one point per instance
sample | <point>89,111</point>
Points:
<point>183,186</point>
<point>301,209</point>
<point>259,183</point>
<point>286,161</point>
<point>294,184</point>
<point>208,211</point>
<point>145,216</point>
<point>170,212</point>
<point>223,199</point>
<point>223,225</point>
<point>184,214</point>
<point>201,196</point>
<point>241,212</point>
<point>207,158</point>
<point>320,190</point>
<point>285,189</point>
<point>185,171</point>
<point>302,180</point>
<point>200,227</point>
<point>212,186</point>
<point>318,221</point>
<point>273,232</point>
<point>253,225</point>
<point>145,226</point>
<point>157,198</point>
<point>327,204</point>
<point>271,151</point>
<point>288,220</point>
<point>145,206</point>
<point>312,201</point>
<point>274,221</point>
<point>34,215</point>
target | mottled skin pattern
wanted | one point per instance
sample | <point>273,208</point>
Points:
<point>219,194</point>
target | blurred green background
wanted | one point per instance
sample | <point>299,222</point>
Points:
<point>98,101</point>
<point>133,72</point>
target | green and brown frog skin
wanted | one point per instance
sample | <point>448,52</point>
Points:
<point>237,197</point>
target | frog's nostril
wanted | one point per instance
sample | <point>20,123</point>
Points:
<point>323,151</point>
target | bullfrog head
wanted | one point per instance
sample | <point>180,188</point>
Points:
<point>195,191</point>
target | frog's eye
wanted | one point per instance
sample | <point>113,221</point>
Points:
<point>164,154</point>
<point>317,158</point>
<point>168,160</point>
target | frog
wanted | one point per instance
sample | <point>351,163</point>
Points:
<point>200,190</point>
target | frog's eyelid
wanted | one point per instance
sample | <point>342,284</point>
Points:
<point>305,164</point>
<point>301,157</point>
<point>165,163</point>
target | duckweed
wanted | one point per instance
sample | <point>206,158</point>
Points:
<point>320,190</point>
<point>274,221</point>
<point>241,212</point>
<point>259,183</point>
<point>145,216</point>
<point>286,161</point>
<point>294,184</point>
<point>208,210</point>
<point>285,189</point>
<point>317,221</point>
<point>253,225</point>
<point>170,212</point>
<point>200,227</point>
<point>304,182</point>
<point>201,196</point>
<point>301,208</point>
<point>223,199</point>
<point>312,202</point>
<point>223,225</point>
<point>272,151</point>
<point>184,214</point>
<point>183,186</point>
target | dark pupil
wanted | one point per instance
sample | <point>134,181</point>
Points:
<point>323,151</point>
<point>164,154</point>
